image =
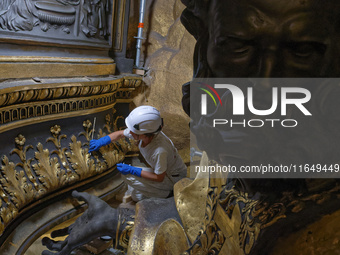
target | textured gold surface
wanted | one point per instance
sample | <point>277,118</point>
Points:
<point>142,236</point>
<point>190,197</point>
<point>170,239</point>
<point>156,224</point>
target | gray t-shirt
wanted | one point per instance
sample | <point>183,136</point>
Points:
<point>162,155</point>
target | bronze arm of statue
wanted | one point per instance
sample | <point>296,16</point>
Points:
<point>98,220</point>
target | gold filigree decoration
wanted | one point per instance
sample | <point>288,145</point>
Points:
<point>63,98</point>
<point>210,242</point>
<point>213,196</point>
<point>39,93</point>
<point>210,207</point>
<point>45,108</point>
<point>35,177</point>
<point>42,93</point>
<point>256,215</point>
<point>132,82</point>
<point>125,219</point>
<point>298,203</point>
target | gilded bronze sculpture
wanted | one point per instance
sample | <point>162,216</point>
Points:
<point>260,39</point>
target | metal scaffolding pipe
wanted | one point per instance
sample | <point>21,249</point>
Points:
<point>140,31</point>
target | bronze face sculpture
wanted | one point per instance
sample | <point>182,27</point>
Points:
<point>269,39</point>
<point>266,39</point>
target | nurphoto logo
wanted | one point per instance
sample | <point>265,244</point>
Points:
<point>289,96</point>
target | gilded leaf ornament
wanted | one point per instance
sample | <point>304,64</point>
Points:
<point>33,178</point>
<point>15,184</point>
<point>48,169</point>
<point>80,159</point>
<point>256,215</point>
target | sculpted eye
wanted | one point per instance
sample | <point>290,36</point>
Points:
<point>234,45</point>
<point>307,49</point>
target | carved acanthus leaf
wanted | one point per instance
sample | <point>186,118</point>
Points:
<point>111,156</point>
<point>14,182</point>
<point>80,160</point>
<point>48,169</point>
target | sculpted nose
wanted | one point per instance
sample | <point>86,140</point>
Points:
<point>267,65</point>
<point>267,69</point>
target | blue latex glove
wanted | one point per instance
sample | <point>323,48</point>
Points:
<point>97,144</point>
<point>127,169</point>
